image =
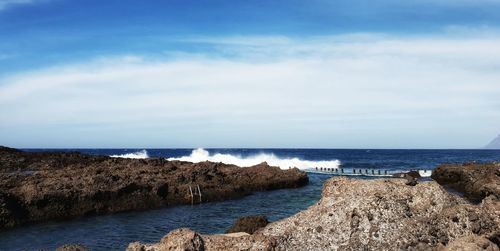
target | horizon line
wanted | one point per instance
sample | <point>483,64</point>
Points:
<point>248,148</point>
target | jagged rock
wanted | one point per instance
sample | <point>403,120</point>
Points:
<point>411,182</point>
<point>182,239</point>
<point>475,180</point>
<point>383,214</point>
<point>249,224</point>
<point>61,185</point>
<point>72,247</point>
<point>411,177</point>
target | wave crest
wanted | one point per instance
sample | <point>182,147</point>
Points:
<point>143,154</point>
<point>200,155</point>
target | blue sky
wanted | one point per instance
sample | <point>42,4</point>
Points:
<point>225,73</point>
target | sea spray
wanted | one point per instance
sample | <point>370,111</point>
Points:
<point>143,154</point>
<point>200,154</point>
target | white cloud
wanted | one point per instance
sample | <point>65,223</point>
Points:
<point>340,91</point>
<point>4,4</point>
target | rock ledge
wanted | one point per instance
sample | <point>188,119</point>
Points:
<point>476,180</point>
<point>37,187</point>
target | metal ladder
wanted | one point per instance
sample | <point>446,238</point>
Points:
<point>197,192</point>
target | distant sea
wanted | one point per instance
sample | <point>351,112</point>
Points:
<point>114,232</point>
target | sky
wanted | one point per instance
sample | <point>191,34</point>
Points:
<point>234,73</point>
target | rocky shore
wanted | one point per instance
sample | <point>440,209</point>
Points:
<point>37,187</point>
<point>355,214</point>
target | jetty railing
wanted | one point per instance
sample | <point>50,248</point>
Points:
<point>361,171</point>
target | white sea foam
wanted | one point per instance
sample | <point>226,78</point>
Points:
<point>143,154</point>
<point>200,155</point>
<point>425,173</point>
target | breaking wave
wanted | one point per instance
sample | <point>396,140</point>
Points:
<point>143,154</point>
<point>200,155</point>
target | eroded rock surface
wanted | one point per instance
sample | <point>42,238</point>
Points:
<point>356,214</point>
<point>475,180</point>
<point>53,186</point>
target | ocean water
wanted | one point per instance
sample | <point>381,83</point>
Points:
<point>114,232</point>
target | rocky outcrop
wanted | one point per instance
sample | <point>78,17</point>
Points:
<point>355,214</point>
<point>248,224</point>
<point>475,180</point>
<point>54,186</point>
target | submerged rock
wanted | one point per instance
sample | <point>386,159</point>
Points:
<point>475,180</point>
<point>384,214</point>
<point>248,224</point>
<point>37,187</point>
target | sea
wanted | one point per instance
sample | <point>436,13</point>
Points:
<point>115,232</point>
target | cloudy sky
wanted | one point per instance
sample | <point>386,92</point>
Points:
<point>231,73</point>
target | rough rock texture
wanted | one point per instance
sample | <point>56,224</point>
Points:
<point>54,186</point>
<point>475,180</point>
<point>72,247</point>
<point>470,243</point>
<point>248,224</point>
<point>356,214</point>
